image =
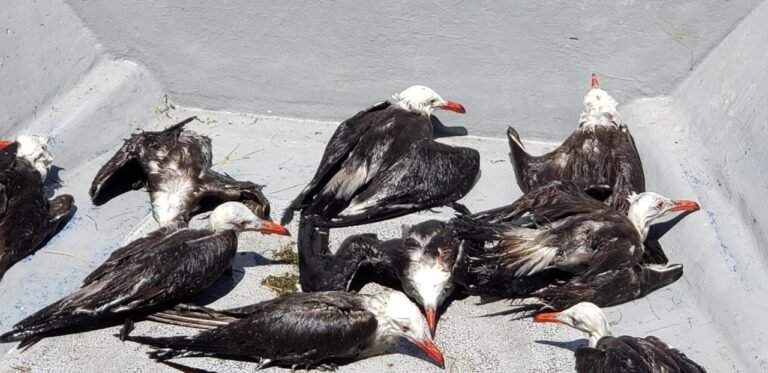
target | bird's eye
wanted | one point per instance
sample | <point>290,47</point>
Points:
<point>660,205</point>
<point>405,329</point>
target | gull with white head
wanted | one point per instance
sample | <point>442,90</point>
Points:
<point>299,330</point>
<point>600,152</point>
<point>161,268</point>
<point>606,353</point>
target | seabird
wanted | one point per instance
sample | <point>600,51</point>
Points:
<point>572,236</point>
<point>147,275</point>
<point>175,166</point>
<point>609,354</point>
<point>27,217</point>
<point>383,163</point>
<point>562,246</point>
<point>600,152</point>
<point>300,330</point>
<point>420,263</point>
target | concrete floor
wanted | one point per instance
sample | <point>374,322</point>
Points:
<point>283,154</point>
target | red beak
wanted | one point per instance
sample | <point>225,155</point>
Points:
<point>431,321</point>
<point>685,205</point>
<point>547,317</point>
<point>274,228</point>
<point>454,106</point>
<point>4,143</point>
<point>595,83</point>
<point>432,351</point>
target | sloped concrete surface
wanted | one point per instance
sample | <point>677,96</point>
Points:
<point>283,154</point>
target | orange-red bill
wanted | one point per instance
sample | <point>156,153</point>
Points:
<point>432,351</point>
<point>685,205</point>
<point>454,106</point>
<point>4,143</point>
<point>274,228</point>
<point>547,317</point>
<point>595,82</point>
<point>431,321</point>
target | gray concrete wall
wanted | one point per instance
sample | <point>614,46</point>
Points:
<point>708,140</point>
<point>44,52</point>
<point>525,63</point>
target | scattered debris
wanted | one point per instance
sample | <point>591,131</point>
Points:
<point>165,108</point>
<point>228,160</point>
<point>282,284</point>
<point>287,254</point>
<point>86,262</point>
<point>287,283</point>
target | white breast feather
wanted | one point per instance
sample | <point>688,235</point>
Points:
<point>169,202</point>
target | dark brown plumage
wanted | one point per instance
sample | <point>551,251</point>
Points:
<point>600,152</point>
<point>175,167</point>
<point>300,330</point>
<point>27,217</point>
<point>381,164</point>
<point>560,246</point>
<point>625,354</point>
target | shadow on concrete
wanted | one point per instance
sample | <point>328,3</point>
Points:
<point>570,346</point>
<point>229,280</point>
<point>441,130</point>
<point>52,181</point>
<point>658,230</point>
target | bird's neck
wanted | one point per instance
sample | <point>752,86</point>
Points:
<point>640,221</point>
<point>414,107</point>
<point>593,338</point>
<point>596,335</point>
<point>386,334</point>
<point>590,121</point>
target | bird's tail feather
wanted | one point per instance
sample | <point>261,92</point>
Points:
<point>523,254</point>
<point>170,347</point>
<point>468,228</point>
<point>55,317</point>
<point>517,248</point>
<point>193,317</point>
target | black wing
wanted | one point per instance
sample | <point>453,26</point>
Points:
<point>629,172</point>
<point>123,172</point>
<point>683,362</point>
<point>612,355</point>
<point>7,162</point>
<point>299,329</point>
<point>430,175</point>
<point>550,202</point>
<point>530,171</point>
<point>8,156</point>
<point>339,146</point>
<point>217,188</point>
<point>145,244</point>
<point>141,282</point>
<point>608,288</point>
